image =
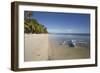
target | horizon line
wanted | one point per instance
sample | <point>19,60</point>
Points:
<point>69,33</point>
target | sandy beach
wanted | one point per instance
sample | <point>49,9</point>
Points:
<point>36,47</point>
<point>64,52</point>
<point>39,47</point>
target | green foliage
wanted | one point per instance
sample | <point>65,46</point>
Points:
<point>31,25</point>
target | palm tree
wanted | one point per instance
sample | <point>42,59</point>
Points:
<point>28,15</point>
<point>31,25</point>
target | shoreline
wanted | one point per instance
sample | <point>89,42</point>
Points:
<point>64,52</point>
<point>40,47</point>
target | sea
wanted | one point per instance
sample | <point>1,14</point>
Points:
<point>61,37</point>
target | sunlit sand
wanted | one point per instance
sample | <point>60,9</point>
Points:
<point>36,47</point>
<point>39,47</point>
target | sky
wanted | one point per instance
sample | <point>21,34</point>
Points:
<point>63,22</point>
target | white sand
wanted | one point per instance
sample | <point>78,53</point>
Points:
<point>36,47</point>
<point>39,47</point>
<point>64,52</point>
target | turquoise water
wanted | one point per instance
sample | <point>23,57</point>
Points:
<point>60,38</point>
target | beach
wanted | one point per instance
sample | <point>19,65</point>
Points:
<point>36,47</point>
<point>64,52</point>
<point>40,47</point>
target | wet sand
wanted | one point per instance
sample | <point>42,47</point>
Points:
<point>39,47</point>
<point>64,52</point>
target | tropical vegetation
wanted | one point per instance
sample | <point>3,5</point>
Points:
<point>31,25</point>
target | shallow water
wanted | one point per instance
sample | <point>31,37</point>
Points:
<point>60,38</point>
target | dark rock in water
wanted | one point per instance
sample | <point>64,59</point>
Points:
<point>70,44</point>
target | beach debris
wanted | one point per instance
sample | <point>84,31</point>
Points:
<point>73,43</point>
<point>64,43</point>
<point>70,43</point>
